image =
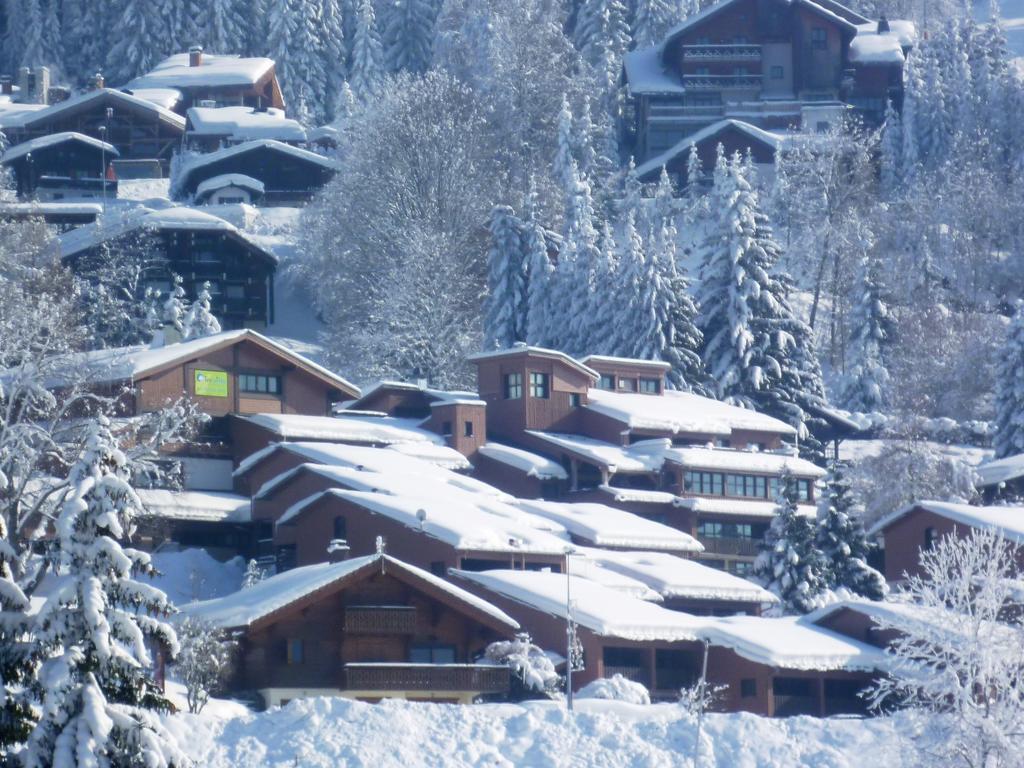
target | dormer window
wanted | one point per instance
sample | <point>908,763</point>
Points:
<point>650,386</point>
<point>607,382</point>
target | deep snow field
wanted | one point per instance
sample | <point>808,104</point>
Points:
<point>602,734</point>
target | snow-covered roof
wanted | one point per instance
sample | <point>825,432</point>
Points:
<point>34,145</point>
<point>15,114</point>
<point>727,459</point>
<point>459,520</point>
<point>322,132</point>
<point>870,47</point>
<point>1008,520</point>
<point>368,430</point>
<point>244,124</point>
<point>672,576</point>
<point>792,643</point>
<point>433,453</point>
<point>682,148</point>
<point>168,98</point>
<point>720,505</point>
<point>646,73</point>
<point>638,495</point>
<point>609,359</point>
<point>644,456</point>
<point>133,363</point>
<point>904,30</point>
<point>524,349</point>
<point>605,526</point>
<point>681,412</point>
<point>202,506</point>
<point>202,160</point>
<point>602,610</point>
<point>1001,470</point>
<point>436,396</point>
<point>31,114</point>
<point>249,605</point>
<point>532,464</point>
<point>214,71</point>
<point>229,180</point>
<point>160,219</point>
<point>38,208</point>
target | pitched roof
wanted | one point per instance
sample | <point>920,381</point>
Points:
<point>655,164</point>
<point>659,364</point>
<point>244,123</point>
<point>229,180</point>
<point>1008,520</point>
<point>258,604</point>
<point>202,506</point>
<point>1001,470</point>
<point>533,464</point>
<point>517,350</point>
<point>204,160</point>
<point>85,100</point>
<point>34,145</point>
<point>216,70</point>
<point>727,459</point>
<point>641,457</point>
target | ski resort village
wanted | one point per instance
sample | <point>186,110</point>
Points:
<point>500,383</point>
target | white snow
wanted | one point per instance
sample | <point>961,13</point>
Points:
<point>168,98</point>
<point>615,688</point>
<point>676,412</point>
<point>600,609</point>
<point>229,180</point>
<point>532,464</point>
<point>645,456</point>
<point>432,453</point>
<point>34,145</point>
<point>28,114</point>
<point>1001,470</point>
<point>1008,520</point>
<point>612,360</point>
<point>869,47</point>
<point>372,430</point>
<point>189,575</point>
<point>857,450</point>
<point>672,576</point>
<point>605,526</point>
<point>738,507</point>
<point>203,506</point>
<point>246,606</point>
<point>244,124</point>
<point>772,139</point>
<point>638,495</point>
<point>646,73</point>
<point>203,160</point>
<point>522,349</point>
<point>727,459</point>
<point>215,70</point>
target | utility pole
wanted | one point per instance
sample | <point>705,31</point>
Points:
<point>570,631</point>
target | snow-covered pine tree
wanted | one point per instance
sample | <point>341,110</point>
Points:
<point>651,19</point>
<point>366,71</point>
<point>84,27</point>
<point>634,290</point>
<point>409,35</point>
<point>891,151</point>
<point>541,282</point>
<point>565,151</point>
<point>866,381</point>
<point>30,26</point>
<point>604,314</point>
<point>175,306</point>
<point>18,656</point>
<point>842,542</point>
<point>788,564</point>
<point>505,310</point>
<point>141,38</point>
<point>577,262</point>
<point>600,25</point>
<point>226,27</point>
<point>199,321</point>
<point>95,626</point>
<point>52,49</point>
<point>1009,421</point>
<point>253,574</point>
<point>297,42</point>
<point>334,57</point>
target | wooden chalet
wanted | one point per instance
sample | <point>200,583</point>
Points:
<point>200,79</point>
<point>368,628</point>
<point>289,174</point>
<point>139,130</point>
<point>208,129</point>
<point>190,243</point>
<point>60,216</point>
<point>776,64</point>
<point>62,166</point>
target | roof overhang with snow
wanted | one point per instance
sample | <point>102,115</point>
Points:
<point>1007,520</point>
<point>523,350</point>
<point>56,139</point>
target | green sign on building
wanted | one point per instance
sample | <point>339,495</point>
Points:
<point>211,383</point>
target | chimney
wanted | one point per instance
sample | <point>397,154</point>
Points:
<point>195,56</point>
<point>6,85</point>
<point>42,93</point>
<point>883,25</point>
<point>337,550</point>
<point>97,81</point>
<point>24,92</point>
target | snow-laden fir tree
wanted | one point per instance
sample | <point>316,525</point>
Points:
<point>506,305</point>
<point>865,385</point>
<point>1009,421</point>
<point>18,654</point>
<point>141,38</point>
<point>409,34</point>
<point>891,151</point>
<point>226,27</point>
<point>253,574</point>
<point>601,25</point>
<point>541,282</point>
<point>175,306</point>
<point>572,298</point>
<point>366,71</point>
<point>565,152</point>
<point>603,320</point>
<point>634,291</point>
<point>199,320</point>
<point>842,542</point>
<point>533,674</point>
<point>296,38</point>
<point>203,660</point>
<point>651,19</point>
<point>788,564</point>
<point>96,626</point>
<point>334,56</point>
<point>29,26</point>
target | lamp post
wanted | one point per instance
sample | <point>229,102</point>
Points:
<point>31,186</point>
<point>109,113</point>
<point>570,630</point>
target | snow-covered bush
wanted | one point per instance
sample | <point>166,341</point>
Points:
<point>617,688</point>
<point>958,656</point>
<point>700,697</point>
<point>531,668</point>
<point>199,320</point>
<point>253,574</point>
<point>203,661</point>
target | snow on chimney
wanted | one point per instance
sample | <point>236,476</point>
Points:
<point>195,56</point>
<point>337,550</point>
<point>883,25</point>
<point>6,85</point>
<point>97,81</point>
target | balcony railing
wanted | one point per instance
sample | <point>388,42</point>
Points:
<point>723,545</point>
<point>426,677</point>
<point>380,619</point>
<point>787,706</point>
<point>720,82</point>
<point>725,52</point>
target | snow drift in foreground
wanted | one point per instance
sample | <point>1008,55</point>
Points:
<point>604,734</point>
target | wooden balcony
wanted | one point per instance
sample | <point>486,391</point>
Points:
<point>721,545</point>
<point>721,82</point>
<point>380,620</point>
<point>426,677</point>
<point>724,52</point>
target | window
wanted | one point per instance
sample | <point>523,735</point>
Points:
<point>513,386</point>
<point>819,38</point>
<point>777,73</point>
<point>627,385</point>
<point>750,486</point>
<point>650,386</point>
<point>235,291</point>
<point>574,400</point>
<point>467,429</point>
<point>748,687</point>
<point>702,71</point>
<point>294,650</point>
<point>607,381</point>
<point>707,483</point>
<point>711,529</point>
<point>446,428</point>
<point>432,654</point>
<point>260,384</point>
<point>803,490</point>
<point>742,568</point>
<point>929,538</point>
<point>231,200</point>
<point>539,387</point>
<point>340,528</point>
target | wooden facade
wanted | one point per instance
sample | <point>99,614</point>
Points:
<point>67,168</point>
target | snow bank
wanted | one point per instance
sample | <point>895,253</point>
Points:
<point>329,733</point>
<point>193,574</point>
<point>616,688</point>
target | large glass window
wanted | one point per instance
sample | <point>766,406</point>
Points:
<point>607,381</point>
<point>432,654</point>
<point>260,384</point>
<point>650,386</point>
<point>513,386</point>
<point>707,483</point>
<point>539,385</point>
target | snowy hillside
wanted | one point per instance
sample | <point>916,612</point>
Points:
<point>337,733</point>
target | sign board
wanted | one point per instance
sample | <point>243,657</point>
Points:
<point>211,383</point>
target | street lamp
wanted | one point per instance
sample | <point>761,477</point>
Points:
<point>108,114</point>
<point>31,186</point>
<point>570,630</point>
